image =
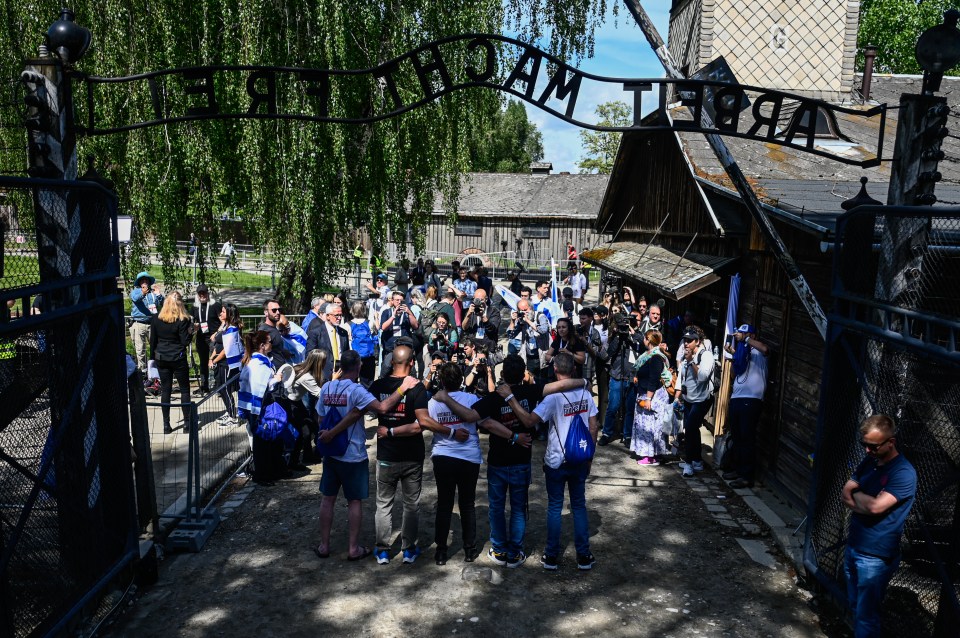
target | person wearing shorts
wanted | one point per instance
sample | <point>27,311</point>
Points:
<point>349,472</point>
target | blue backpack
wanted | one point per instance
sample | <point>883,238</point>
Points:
<point>338,446</point>
<point>362,340</point>
<point>274,424</point>
<point>580,446</point>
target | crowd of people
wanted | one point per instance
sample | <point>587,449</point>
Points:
<point>458,357</point>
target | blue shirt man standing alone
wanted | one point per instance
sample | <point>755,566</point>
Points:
<point>880,494</point>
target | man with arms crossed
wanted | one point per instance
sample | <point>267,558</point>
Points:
<point>351,470</point>
<point>880,494</point>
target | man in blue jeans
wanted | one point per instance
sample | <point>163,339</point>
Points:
<point>508,462</point>
<point>558,411</point>
<point>880,494</point>
<point>621,394</point>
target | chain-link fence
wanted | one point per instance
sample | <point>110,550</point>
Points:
<point>67,510</point>
<point>893,349</point>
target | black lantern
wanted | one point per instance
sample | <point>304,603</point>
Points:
<point>67,38</point>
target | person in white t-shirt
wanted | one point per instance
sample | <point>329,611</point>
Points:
<point>746,401</point>
<point>558,411</point>
<point>349,471</point>
<point>456,460</point>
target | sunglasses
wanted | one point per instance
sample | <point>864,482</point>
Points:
<point>873,447</point>
<point>273,309</point>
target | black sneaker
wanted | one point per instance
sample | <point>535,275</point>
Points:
<point>626,442</point>
<point>731,475</point>
<point>517,560</point>
<point>604,440</point>
<point>441,556</point>
<point>498,558</point>
<point>585,561</point>
<point>549,562</point>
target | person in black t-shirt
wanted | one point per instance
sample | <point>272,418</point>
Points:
<point>508,461</point>
<point>400,454</point>
<point>569,341</point>
<point>206,323</point>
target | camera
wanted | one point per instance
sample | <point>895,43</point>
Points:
<point>622,323</point>
<point>611,280</point>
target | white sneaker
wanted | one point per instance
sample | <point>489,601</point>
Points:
<point>690,468</point>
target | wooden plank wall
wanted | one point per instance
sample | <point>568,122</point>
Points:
<point>441,237</point>
<point>787,432</point>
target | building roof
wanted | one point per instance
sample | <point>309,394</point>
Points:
<point>805,189</point>
<point>521,194</point>
<point>671,272</point>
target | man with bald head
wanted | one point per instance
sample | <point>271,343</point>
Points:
<point>481,321</point>
<point>400,454</point>
<point>528,325</point>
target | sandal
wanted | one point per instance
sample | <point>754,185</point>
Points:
<point>364,552</point>
<point>316,550</point>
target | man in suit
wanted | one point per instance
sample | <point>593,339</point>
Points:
<point>328,335</point>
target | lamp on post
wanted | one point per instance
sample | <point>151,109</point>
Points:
<point>938,51</point>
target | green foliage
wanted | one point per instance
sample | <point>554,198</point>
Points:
<point>893,26</point>
<point>302,189</point>
<point>599,147</point>
<point>509,145</point>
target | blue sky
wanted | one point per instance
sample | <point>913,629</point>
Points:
<point>621,51</point>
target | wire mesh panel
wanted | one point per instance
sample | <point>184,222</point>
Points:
<point>893,349</point>
<point>67,513</point>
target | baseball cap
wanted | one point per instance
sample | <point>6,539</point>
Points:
<point>202,288</point>
<point>691,334</point>
<point>382,276</point>
<point>747,329</point>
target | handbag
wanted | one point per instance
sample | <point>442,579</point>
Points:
<point>722,446</point>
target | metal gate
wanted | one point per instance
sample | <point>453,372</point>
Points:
<point>893,348</point>
<point>67,510</point>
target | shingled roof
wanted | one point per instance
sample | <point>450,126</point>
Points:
<point>811,188</point>
<point>522,195</point>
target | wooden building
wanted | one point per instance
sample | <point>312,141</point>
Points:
<point>525,216</point>
<point>673,182</point>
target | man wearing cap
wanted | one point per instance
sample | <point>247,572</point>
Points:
<point>146,302</point>
<point>206,321</point>
<point>746,401</point>
<point>382,288</point>
<point>696,370</point>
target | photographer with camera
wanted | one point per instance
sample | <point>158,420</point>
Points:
<point>480,320</point>
<point>622,351</point>
<point>696,373</point>
<point>396,320</point>
<point>477,369</point>
<point>432,380</point>
<point>444,338</point>
<point>528,327</point>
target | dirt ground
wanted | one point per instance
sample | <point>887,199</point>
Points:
<point>665,567</point>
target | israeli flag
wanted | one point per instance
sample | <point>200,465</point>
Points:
<point>232,347</point>
<point>295,343</point>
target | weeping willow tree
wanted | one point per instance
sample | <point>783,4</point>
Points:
<point>301,189</point>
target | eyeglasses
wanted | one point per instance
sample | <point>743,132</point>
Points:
<point>643,307</point>
<point>330,314</point>
<point>873,447</point>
